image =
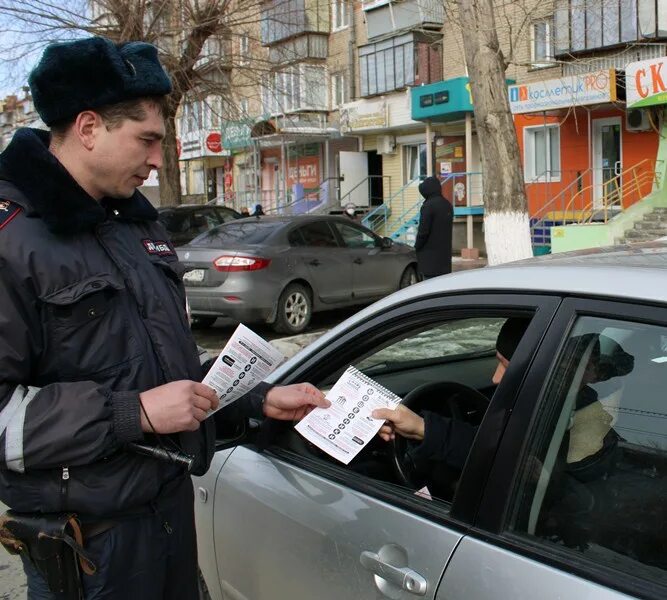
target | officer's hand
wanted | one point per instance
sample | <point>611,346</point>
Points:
<point>402,421</point>
<point>293,402</point>
<point>176,406</point>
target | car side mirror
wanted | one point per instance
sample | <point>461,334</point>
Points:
<point>228,435</point>
<point>386,243</point>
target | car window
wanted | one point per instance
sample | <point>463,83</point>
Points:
<point>225,215</point>
<point>204,219</point>
<point>451,339</point>
<point>295,238</point>
<point>353,237</point>
<point>176,221</point>
<point>443,371</point>
<point>595,476</point>
<point>318,234</point>
<point>239,231</point>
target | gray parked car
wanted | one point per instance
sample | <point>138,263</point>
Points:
<point>282,269</point>
<point>563,491</point>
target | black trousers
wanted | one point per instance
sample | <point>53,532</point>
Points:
<point>148,557</point>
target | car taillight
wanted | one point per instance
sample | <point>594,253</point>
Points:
<point>240,263</point>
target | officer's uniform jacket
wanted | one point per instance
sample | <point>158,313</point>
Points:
<point>91,314</point>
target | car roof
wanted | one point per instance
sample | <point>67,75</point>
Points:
<point>191,207</point>
<point>300,219</point>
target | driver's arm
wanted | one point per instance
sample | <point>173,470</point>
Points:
<point>442,438</point>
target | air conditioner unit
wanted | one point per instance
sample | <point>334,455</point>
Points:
<point>386,144</point>
<point>637,119</point>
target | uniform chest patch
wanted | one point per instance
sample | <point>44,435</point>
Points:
<point>8,210</point>
<point>159,247</point>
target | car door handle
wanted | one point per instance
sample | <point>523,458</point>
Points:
<point>357,261</point>
<point>405,578</point>
<point>315,263</point>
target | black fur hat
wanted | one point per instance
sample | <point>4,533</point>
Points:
<point>85,74</point>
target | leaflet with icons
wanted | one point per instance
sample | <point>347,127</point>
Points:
<point>344,429</point>
<point>245,361</point>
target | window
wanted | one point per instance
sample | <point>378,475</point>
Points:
<point>339,93</point>
<point>415,162</point>
<point>398,62</point>
<point>192,117</point>
<point>590,24</point>
<point>244,49</point>
<point>353,237</point>
<point>453,338</point>
<point>198,179</point>
<point>542,153</point>
<point>541,49</point>
<point>595,474</point>
<point>230,234</point>
<point>299,87</point>
<point>244,108</point>
<point>340,15</point>
<point>318,234</point>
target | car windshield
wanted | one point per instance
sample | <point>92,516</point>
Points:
<point>252,232</point>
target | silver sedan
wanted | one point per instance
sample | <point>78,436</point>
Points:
<point>282,269</point>
<point>548,482</point>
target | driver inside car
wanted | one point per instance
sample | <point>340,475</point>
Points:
<point>443,439</point>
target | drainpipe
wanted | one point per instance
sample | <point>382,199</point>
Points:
<point>429,150</point>
<point>350,49</point>
<point>469,230</point>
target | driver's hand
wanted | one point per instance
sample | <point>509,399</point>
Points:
<point>403,421</point>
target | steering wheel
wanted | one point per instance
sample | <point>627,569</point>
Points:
<point>446,398</point>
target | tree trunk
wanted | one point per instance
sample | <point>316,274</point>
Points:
<point>506,222</point>
<point>170,174</point>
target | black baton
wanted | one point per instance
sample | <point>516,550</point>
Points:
<point>185,460</point>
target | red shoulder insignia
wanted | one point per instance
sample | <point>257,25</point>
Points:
<point>8,210</point>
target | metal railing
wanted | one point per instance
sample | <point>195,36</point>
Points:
<point>621,191</point>
<point>401,211</point>
<point>589,197</point>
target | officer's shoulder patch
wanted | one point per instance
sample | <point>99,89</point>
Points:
<point>8,210</point>
<point>158,247</point>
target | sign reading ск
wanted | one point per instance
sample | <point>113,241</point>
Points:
<point>646,83</point>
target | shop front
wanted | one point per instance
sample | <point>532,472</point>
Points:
<point>204,162</point>
<point>583,152</point>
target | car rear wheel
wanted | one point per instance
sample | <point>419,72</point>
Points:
<point>202,322</point>
<point>295,309</point>
<point>408,278</point>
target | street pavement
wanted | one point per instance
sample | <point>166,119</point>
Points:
<point>12,579</point>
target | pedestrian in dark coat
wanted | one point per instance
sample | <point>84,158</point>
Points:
<point>434,236</point>
<point>95,348</point>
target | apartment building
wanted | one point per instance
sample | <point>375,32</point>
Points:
<point>17,112</point>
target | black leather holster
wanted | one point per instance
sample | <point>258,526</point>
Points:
<point>53,544</point>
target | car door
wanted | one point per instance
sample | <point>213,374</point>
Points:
<point>375,271</point>
<point>290,523</point>
<point>316,250</point>
<point>575,503</point>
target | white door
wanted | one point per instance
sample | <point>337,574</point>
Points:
<point>354,178</point>
<point>606,161</point>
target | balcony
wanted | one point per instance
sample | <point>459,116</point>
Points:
<point>384,17</point>
<point>399,62</point>
<point>216,53</point>
<point>583,26</point>
<point>305,47</point>
<point>285,19</point>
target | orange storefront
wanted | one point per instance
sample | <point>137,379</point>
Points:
<point>585,157</point>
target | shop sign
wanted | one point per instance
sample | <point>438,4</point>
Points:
<point>364,115</point>
<point>646,83</point>
<point>578,90</point>
<point>214,142</point>
<point>236,135</point>
<point>305,171</point>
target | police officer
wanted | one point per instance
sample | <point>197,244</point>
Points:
<point>95,347</point>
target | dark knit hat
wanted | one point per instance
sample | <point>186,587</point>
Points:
<point>510,335</point>
<point>86,74</point>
